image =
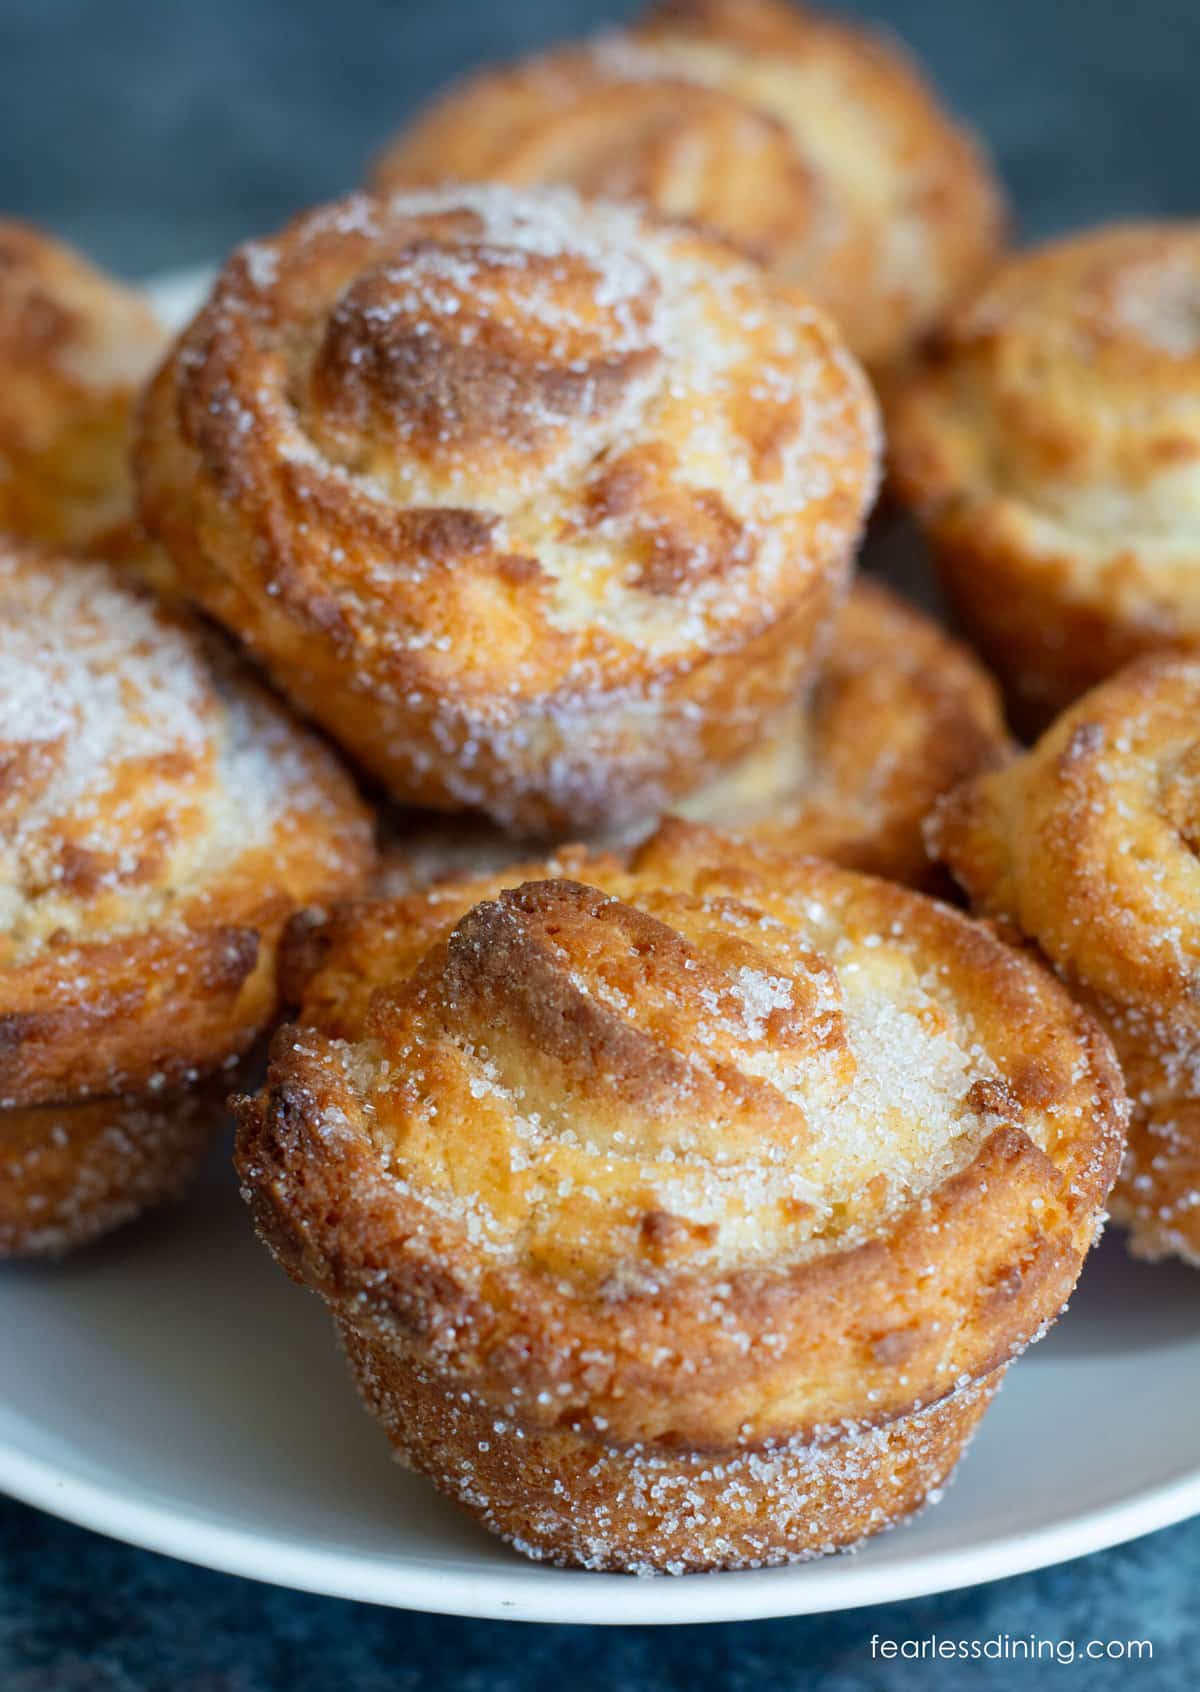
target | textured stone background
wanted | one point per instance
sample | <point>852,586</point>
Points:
<point>156,134</point>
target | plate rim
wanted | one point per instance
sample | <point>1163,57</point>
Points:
<point>520,1592</point>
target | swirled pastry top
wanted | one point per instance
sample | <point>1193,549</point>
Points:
<point>536,506</point>
<point>709,1089</point>
<point>519,434</point>
<point>814,146</point>
<point>1058,417</point>
<point>159,819</point>
<point>1088,843</point>
<point>75,347</point>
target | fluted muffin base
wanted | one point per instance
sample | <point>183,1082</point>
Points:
<point>566,1497</point>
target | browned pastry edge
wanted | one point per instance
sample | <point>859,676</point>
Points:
<point>1096,876</point>
<point>165,1006</point>
<point>1046,440</point>
<point>1005,1239</point>
<point>938,684</point>
<point>1156,1194</point>
<point>136,1028</point>
<point>610,772</point>
<point>573,1500</point>
<point>143,954</point>
<point>70,1173</point>
<point>900,714</point>
<point>657,130</point>
<point>65,416</point>
<point>338,484</point>
<point>952,1288</point>
<point>1046,646</point>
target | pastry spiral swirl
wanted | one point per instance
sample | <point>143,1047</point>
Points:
<point>1088,846</point>
<point>75,349</point>
<point>537,508</point>
<point>900,715</point>
<point>160,820</point>
<point>813,146</point>
<point>1050,444</point>
<point>679,1163</point>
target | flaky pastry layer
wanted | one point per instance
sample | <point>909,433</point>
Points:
<point>538,508</point>
<point>1087,846</point>
<point>1050,443</point>
<point>72,1172</point>
<point>160,819</point>
<point>899,715</point>
<point>812,145</point>
<point>570,1499</point>
<point>703,1149</point>
<point>75,349</point>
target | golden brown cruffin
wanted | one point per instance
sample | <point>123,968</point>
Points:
<point>1087,846</point>
<point>160,820</point>
<point>814,146</point>
<point>680,1210</point>
<point>75,348</point>
<point>1049,444</point>
<point>900,715</point>
<point>536,507</point>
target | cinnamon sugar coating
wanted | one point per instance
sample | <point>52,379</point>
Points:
<point>72,1172</point>
<point>1087,846</point>
<point>814,146</point>
<point>1050,445</point>
<point>160,820</point>
<point>899,715</point>
<point>538,508</point>
<point>76,347</point>
<point>703,1155</point>
<point>651,1510</point>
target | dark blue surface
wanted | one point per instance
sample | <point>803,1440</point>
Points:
<point>156,135</point>
<point>81,1614</point>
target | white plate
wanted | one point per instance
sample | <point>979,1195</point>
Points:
<point>177,296</point>
<point>170,1388</point>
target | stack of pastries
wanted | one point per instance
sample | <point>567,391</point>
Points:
<point>162,818</point>
<point>452,643</point>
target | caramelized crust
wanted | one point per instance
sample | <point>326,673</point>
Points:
<point>579,1503</point>
<point>1087,846</point>
<point>1050,443</point>
<point>707,1151</point>
<point>75,348</point>
<point>900,715</point>
<point>160,820</point>
<point>72,1172</point>
<point>813,146</point>
<point>537,508</point>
